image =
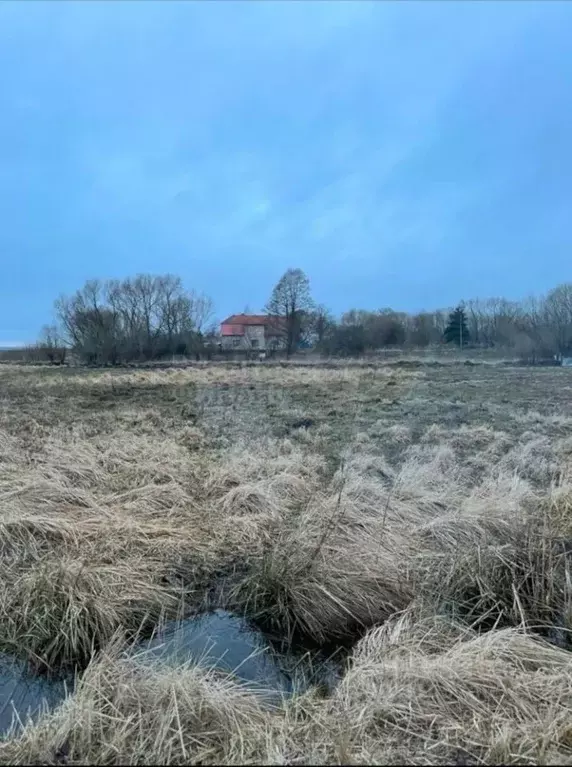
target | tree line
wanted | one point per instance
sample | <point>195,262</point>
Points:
<point>535,328</point>
<point>150,317</point>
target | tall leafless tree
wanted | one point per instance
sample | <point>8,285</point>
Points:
<point>290,305</point>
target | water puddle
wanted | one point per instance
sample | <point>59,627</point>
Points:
<point>229,643</point>
<point>23,695</point>
<point>218,639</point>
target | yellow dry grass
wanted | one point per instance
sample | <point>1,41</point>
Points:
<point>449,568</point>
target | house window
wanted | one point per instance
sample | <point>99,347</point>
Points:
<point>236,342</point>
<point>255,343</point>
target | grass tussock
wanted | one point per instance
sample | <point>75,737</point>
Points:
<point>329,571</point>
<point>58,612</point>
<point>434,692</point>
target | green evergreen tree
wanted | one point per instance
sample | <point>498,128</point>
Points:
<point>457,331</point>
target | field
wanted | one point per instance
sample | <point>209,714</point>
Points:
<point>418,515</point>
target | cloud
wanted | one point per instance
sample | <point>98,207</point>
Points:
<point>317,161</point>
<point>370,137</point>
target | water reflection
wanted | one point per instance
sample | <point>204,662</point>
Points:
<point>23,695</point>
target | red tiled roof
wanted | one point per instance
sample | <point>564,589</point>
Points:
<point>247,319</point>
<point>234,325</point>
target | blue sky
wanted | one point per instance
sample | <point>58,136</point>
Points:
<point>403,154</point>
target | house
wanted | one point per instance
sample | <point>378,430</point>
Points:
<point>245,332</point>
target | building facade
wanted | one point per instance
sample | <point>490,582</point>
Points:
<point>252,332</point>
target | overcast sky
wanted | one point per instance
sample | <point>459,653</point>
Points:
<point>403,154</point>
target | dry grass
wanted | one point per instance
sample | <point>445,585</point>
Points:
<point>438,543</point>
<point>126,712</point>
<point>430,693</point>
<point>418,692</point>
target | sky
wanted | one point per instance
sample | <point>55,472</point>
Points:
<point>404,154</point>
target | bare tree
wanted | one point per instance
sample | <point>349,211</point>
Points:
<point>422,330</point>
<point>147,293</point>
<point>290,305</point>
<point>201,309</point>
<point>558,311</point>
<point>87,324</point>
<point>379,329</point>
<point>320,322</point>
<point>51,345</point>
<point>174,312</point>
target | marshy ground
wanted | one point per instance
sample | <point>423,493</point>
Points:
<point>418,516</point>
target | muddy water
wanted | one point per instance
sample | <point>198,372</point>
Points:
<point>219,639</point>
